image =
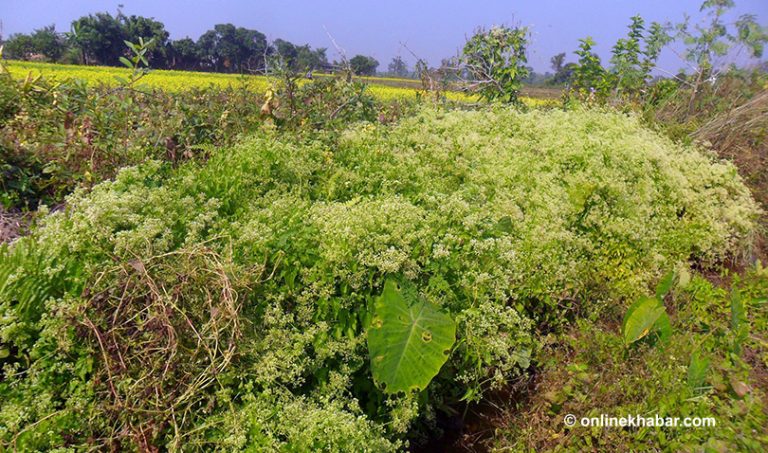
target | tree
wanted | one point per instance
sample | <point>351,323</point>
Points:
<point>589,76</point>
<point>44,41</point>
<point>183,54</point>
<point>311,59</point>
<point>496,60</point>
<point>99,37</point>
<point>563,71</point>
<point>557,62</point>
<point>135,27</point>
<point>708,44</point>
<point>287,51</point>
<point>398,67</point>
<point>233,49</point>
<point>19,46</point>
<point>634,57</point>
<point>300,58</point>
<point>47,42</point>
<point>363,65</point>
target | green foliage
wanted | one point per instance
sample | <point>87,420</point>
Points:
<point>563,72</point>
<point>228,48</point>
<point>739,323</point>
<point>512,222</point>
<point>589,77</point>
<point>60,134</point>
<point>324,105</point>
<point>138,63</point>
<point>705,44</point>
<point>697,372</point>
<point>398,68</point>
<point>496,61</point>
<point>363,65</point>
<point>708,44</point>
<point>648,315</point>
<point>300,59</point>
<point>588,371</point>
<point>408,340</point>
<point>642,317</point>
<point>633,58</point>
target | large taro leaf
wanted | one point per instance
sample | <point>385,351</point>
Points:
<point>644,316</point>
<point>408,339</point>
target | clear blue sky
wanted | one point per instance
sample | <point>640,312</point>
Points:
<point>433,29</point>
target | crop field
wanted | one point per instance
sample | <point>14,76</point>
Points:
<point>183,80</point>
<point>383,88</point>
<point>561,261</point>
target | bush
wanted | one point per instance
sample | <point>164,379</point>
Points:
<point>510,222</point>
<point>57,135</point>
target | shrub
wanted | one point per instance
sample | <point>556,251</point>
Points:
<point>57,135</point>
<point>508,222</point>
<point>496,61</point>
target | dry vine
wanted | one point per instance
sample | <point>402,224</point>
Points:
<point>165,328</point>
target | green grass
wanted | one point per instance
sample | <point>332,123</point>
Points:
<point>588,371</point>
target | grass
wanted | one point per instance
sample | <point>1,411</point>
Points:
<point>588,371</point>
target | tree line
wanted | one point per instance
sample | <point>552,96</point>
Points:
<point>99,39</point>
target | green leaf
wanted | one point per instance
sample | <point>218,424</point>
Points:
<point>408,340</point>
<point>697,371</point>
<point>126,62</point>
<point>739,322</point>
<point>665,284</point>
<point>738,311</point>
<point>640,318</point>
<point>663,327</point>
<point>505,225</point>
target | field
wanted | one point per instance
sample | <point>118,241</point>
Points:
<point>382,88</point>
<point>199,261</point>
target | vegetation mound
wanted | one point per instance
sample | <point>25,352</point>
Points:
<point>227,304</point>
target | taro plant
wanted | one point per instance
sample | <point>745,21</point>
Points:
<point>409,340</point>
<point>648,315</point>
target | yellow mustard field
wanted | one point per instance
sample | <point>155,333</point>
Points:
<point>183,80</point>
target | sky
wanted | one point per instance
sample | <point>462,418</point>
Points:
<point>430,29</point>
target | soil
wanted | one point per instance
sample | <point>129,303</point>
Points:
<point>473,431</point>
<point>12,225</point>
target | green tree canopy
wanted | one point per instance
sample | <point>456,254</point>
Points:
<point>364,65</point>
<point>233,49</point>
<point>398,67</point>
<point>183,54</point>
